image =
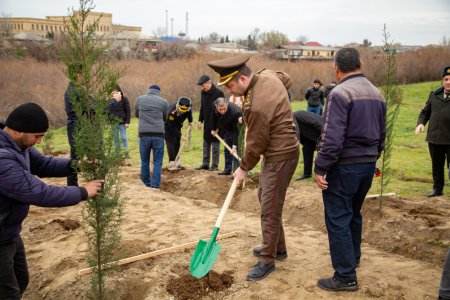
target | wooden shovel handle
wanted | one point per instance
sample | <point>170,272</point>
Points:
<point>181,148</point>
<point>228,147</point>
<point>227,202</point>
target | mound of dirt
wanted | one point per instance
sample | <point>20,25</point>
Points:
<point>68,224</point>
<point>186,287</point>
<point>417,229</point>
<point>403,247</point>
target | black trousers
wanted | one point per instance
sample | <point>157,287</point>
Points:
<point>172,138</point>
<point>438,154</point>
<point>231,163</point>
<point>444,289</point>
<point>308,149</point>
<point>13,269</point>
<point>211,152</point>
<point>72,180</point>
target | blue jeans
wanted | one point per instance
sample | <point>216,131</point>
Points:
<point>347,188</point>
<point>314,109</point>
<point>146,145</point>
<point>123,135</point>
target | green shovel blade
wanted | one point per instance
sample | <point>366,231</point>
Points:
<point>205,255</point>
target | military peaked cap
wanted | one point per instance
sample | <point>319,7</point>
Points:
<point>446,71</point>
<point>228,67</point>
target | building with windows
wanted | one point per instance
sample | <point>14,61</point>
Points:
<point>297,52</point>
<point>54,25</point>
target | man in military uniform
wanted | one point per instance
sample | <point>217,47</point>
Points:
<point>271,133</point>
<point>437,112</point>
<point>177,113</point>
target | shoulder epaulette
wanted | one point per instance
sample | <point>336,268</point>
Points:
<point>438,91</point>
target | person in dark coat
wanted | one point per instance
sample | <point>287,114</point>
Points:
<point>444,287</point>
<point>177,113</point>
<point>315,98</point>
<point>209,94</point>
<point>72,95</point>
<point>20,166</point>
<point>119,107</point>
<point>225,122</point>
<point>327,90</point>
<point>309,127</point>
<point>437,113</point>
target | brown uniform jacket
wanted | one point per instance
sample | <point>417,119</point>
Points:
<point>268,116</point>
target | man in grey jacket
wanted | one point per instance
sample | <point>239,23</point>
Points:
<point>151,110</point>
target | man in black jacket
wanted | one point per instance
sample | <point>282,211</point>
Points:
<point>309,127</point>
<point>225,120</point>
<point>437,112</point>
<point>209,94</point>
<point>71,96</point>
<point>119,107</point>
<point>315,98</point>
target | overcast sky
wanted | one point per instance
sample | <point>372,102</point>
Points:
<point>329,22</point>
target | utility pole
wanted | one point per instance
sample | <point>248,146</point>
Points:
<point>187,21</point>
<point>167,23</point>
<point>172,27</point>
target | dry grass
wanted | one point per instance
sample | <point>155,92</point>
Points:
<point>24,80</point>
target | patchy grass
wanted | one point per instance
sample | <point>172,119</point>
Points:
<point>411,163</point>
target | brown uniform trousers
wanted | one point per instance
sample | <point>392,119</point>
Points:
<point>273,182</point>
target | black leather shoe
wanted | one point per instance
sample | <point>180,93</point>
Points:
<point>280,255</point>
<point>335,285</point>
<point>260,271</point>
<point>302,177</point>
<point>434,193</point>
<point>202,167</point>
<point>213,168</point>
<point>224,173</point>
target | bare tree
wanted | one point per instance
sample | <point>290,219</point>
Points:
<point>273,39</point>
<point>213,37</point>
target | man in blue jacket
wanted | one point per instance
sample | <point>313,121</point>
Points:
<point>353,135</point>
<point>20,163</point>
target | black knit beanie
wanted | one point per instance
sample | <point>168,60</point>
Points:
<point>28,118</point>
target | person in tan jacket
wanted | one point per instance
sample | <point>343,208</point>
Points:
<point>270,133</point>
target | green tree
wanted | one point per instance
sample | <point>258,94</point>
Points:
<point>93,77</point>
<point>393,95</point>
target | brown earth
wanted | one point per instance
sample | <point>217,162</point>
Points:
<point>403,248</point>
